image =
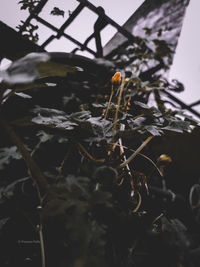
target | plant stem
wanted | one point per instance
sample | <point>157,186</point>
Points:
<point>2,90</point>
<point>122,165</point>
<point>139,202</point>
<point>89,155</point>
<point>109,102</point>
<point>42,245</point>
<point>35,170</point>
<point>118,103</point>
<point>142,155</point>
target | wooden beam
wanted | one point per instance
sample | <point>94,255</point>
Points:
<point>13,45</point>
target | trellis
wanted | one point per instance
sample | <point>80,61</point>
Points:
<point>102,21</point>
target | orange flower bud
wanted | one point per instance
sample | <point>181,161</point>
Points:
<point>116,78</point>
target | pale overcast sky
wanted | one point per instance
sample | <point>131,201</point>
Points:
<point>186,67</point>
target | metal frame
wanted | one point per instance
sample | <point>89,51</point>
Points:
<point>102,21</point>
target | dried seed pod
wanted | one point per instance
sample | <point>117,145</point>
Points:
<point>164,159</point>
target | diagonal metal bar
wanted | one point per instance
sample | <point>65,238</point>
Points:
<point>120,29</point>
<point>48,41</point>
<point>196,103</point>
<point>127,34</point>
<point>70,19</point>
<point>182,104</point>
<point>50,26</point>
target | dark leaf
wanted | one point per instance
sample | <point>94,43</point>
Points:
<point>57,12</point>
<point>9,190</point>
<point>178,126</point>
<point>101,127</point>
<point>44,137</point>
<point>153,130</point>
<point>7,154</point>
<point>75,183</point>
<point>53,118</point>
<point>142,105</point>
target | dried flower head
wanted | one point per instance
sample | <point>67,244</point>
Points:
<point>116,78</point>
<point>164,158</point>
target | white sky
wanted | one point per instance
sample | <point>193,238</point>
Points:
<point>186,67</point>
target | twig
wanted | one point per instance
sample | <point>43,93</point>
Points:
<point>37,174</point>
<point>142,155</point>
<point>42,245</point>
<point>89,155</point>
<point>122,127</point>
<point>139,202</point>
<point>157,218</point>
<point>122,165</point>
<point>2,91</point>
<point>63,161</point>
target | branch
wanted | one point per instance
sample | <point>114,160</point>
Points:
<point>35,170</point>
<point>122,165</point>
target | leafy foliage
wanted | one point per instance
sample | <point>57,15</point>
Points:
<point>28,4</point>
<point>29,32</point>
<point>57,12</point>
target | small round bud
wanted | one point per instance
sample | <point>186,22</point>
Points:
<point>164,159</point>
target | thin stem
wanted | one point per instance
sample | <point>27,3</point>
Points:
<point>142,155</point>
<point>118,103</point>
<point>2,91</point>
<point>64,160</point>
<point>157,218</point>
<point>109,102</point>
<point>139,202</point>
<point>122,165</point>
<point>89,155</point>
<point>42,245</point>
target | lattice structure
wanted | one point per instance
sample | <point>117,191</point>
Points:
<point>124,33</point>
<point>102,21</point>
